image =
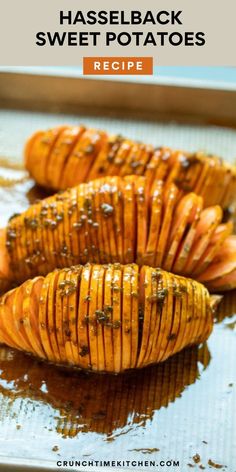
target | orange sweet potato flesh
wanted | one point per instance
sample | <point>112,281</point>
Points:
<point>106,318</point>
<point>116,219</point>
<point>102,154</point>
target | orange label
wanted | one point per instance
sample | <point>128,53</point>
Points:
<point>118,66</point>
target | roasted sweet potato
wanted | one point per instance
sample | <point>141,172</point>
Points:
<point>91,154</point>
<point>115,219</point>
<point>106,318</point>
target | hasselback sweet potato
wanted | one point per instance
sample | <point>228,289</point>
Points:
<point>64,157</point>
<point>106,317</point>
<point>115,219</point>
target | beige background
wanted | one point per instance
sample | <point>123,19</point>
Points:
<point>21,20</point>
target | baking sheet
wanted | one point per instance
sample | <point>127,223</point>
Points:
<point>183,409</point>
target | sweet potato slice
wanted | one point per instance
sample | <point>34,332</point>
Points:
<point>154,318</point>
<point>34,312</point>
<point>83,233</point>
<point>199,187</point>
<point>40,152</point>
<point>128,219</point>
<point>210,305</point>
<point>145,289</point>
<point>28,147</point>
<point>71,220</point>
<point>179,225</point>
<point>51,315</point>
<point>92,223</point>
<point>202,325</point>
<point>118,158</point>
<point>152,166</point>
<point>142,202</point>
<point>158,166</point>
<point>173,316</point>
<point>209,220</point>
<point>169,201</point>
<point>8,333</point>
<point>21,316</point>
<point>166,317</point>
<point>18,320</point>
<point>24,241</point>
<point>67,248</point>
<point>4,337</point>
<point>50,230</point>
<point>83,204</point>
<point>110,222</point>
<point>43,235</point>
<point>186,246</point>
<point>95,316</point>
<point>197,311</point>
<point>59,233</point>
<point>40,239</point>
<point>82,157</point>
<point>188,322</point>
<point>100,334</point>
<point>141,159</point>
<point>30,312</point>
<point>107,210</point>
<point>67,287</point>
<point>214,247</point>
<point>105,157</point>
<point>20,248</point>
<point>176,336</point>
<point>126,317</point>
<point>43,314</point>
<point>100,232</point>
<point>217,270</point>
<point>158,294</point>
<point>117,296</point>
<point>175,169</point>
<point>156,206</point>
<point>75,275</point>
<point>228,249</point>
<point>221,284</point>
<point>134,315</point>
<point>129,157</point>
<point>116,219</point>
<point>83,314</point>
<point>108,320</point>
<point>216,191</point>
<point>209,184</point>
<point>5,270</point>
<point>8,245</point>
<point>35,242</point>
<point>212,189</point>
<point>61,151</point>
<point>117,216</point>
<point>230,188</point>
<point>189,173</point>
<point>58,317</point>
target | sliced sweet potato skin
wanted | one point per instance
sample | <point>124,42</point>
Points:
<point>98,154</point>
<point>116,219</point>
<point>93,317</point>
<point>106,318</point>
<point>30,315</point>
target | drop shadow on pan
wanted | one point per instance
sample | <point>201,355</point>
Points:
<point>95,402</point>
